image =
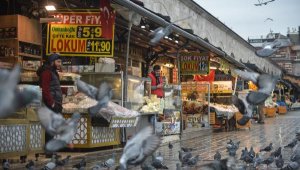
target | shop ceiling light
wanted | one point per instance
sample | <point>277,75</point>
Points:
<point>176,41</point>
<point>169,65</point>
<point>143,26</point>
<point>213,68</point>
<point>50,8</point>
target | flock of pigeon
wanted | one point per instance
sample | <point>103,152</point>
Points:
<point>253,160</point>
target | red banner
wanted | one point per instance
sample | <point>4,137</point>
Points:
<point>210,77</point>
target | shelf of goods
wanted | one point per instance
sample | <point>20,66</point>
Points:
<point>21,134</point>
<point>20,42</point>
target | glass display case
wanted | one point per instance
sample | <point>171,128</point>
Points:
<point>137,89</point>
<point>196,103</point>
<point>115,79</point>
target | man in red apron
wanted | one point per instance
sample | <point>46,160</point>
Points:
<point>156,82</point>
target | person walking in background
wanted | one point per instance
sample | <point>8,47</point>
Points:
<point>156,82</point>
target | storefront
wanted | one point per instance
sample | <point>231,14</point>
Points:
<point>98,46</point>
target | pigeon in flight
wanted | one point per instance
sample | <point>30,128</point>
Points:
<point>137,149</point>
<point>279,162</point>
<point>159,33</point>
<point>260,3</point>
<point>55,124</point>
<point>292,144</point>
<point>266,84</point>
<point>269,48</point>
<point>269,19</point>
<point>170,145</point>
<point>13,98</point>
<point>103,94</point>
<point>276,153</point>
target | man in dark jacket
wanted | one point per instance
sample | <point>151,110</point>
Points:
<point>51,90</point>
<point>50,84</point>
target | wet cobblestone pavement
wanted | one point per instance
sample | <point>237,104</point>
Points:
<point>279,130</point>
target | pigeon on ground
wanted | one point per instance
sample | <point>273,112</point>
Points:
<point>268,161</point>
<point>30,165</point>
<point>55,124</point>
<point>291,166</point>
<point>5,164</point>
<point>146,167</point>
<point>110,162</point>
<point>63,162</point>
<point>139,148</point>
<point>193,161</point>
<point>270,48</point>
<point>244,154</point>
<point>50,165</point>
<point>13,98</point>
<point>103,95</point>
<point>257,160</point>
<point>223,164</point>
<point>187,149</point>
<point>159,157</point>
<point>217,156</point>
<point>159,33</point>
<point>170,145</point>
<point>292,144</point>
<point>251,153</point>
<point>178,166</point>
<point>80,165</point>
<point>268,148</point>
<point>184,156</point>
<point>295,157</point>
<point>276,153</point>
<point>279,162</point>
<point>157,163</point>
<point>232,152</point>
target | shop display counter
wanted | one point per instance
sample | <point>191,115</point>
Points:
<point>21,134</point>
<point>282,110</point>
<point>94,133</point>
<point>270,111</point>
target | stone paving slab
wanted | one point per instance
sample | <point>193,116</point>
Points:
<point>279,130</point>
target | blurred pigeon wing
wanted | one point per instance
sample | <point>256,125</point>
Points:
<point>55,145</point>
<point>3,75</point>
<point>26,96</point>
<point>151,144</point>
<point>265,52</point>
<point>266,83</point>
<point>252,76</point>
<point>256,98</point>
<point>46,117</point>
<point>151,34</point>
<point>244,120</point>
<point>14,77</point>
<point>239,104</point>
<point>87,89</point>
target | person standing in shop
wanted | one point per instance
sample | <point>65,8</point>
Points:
<point>52,93</point>
<point>261,113</point>
<point>156,82</point>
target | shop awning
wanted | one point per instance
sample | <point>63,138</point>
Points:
<point>159,20</point>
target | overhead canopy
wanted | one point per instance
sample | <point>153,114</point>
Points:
<point>162,22</point>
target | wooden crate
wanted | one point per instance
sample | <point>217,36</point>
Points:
<point>282,110</point>
<point>237,117</point>
<point>270,111</point>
